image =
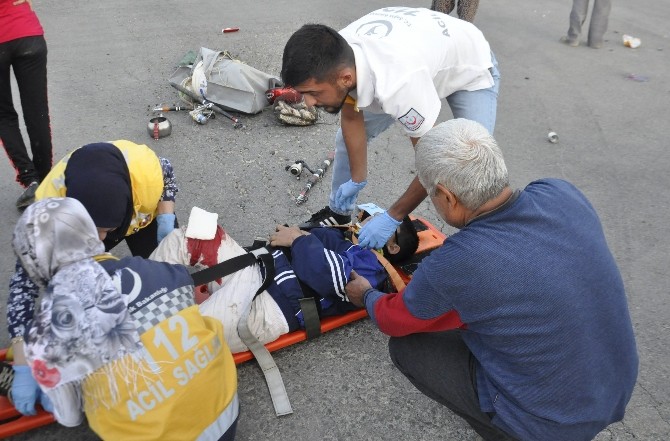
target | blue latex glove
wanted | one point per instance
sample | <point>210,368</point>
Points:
<point>165,224</point>
<point>377,231</point>
<point>25,390</point>
<point>346,195</point>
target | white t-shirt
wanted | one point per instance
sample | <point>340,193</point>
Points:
<point>408,59</point>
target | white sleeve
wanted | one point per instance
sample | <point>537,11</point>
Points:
<point>68,405</point>
<point>414,102</point>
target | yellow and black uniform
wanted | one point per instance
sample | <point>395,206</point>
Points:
<point>186,364</point>
<point>121,343</point>
<point>120,184</point>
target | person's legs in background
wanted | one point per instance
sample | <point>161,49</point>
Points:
<point>375,124</point>
<point>577,17</point>
<point>28,57</point>
<point>478,105</point>
<point>31,77</point>
<point>599,20</point>
<point>441,366</point>
<point>467,9</point>
<point>443,6</point>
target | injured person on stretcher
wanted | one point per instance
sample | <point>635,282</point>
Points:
<point>101,343</point>
<point>315,263</point>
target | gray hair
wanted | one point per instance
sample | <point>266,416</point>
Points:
<point>462,156</point>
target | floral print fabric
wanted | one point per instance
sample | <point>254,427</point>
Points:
<point>82,322</point>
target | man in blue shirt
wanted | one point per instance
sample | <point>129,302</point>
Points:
<point>546,350</point>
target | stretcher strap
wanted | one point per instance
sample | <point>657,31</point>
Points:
<point>311,317</point>
<point>270,370</point>
<point>223,269</point>
<point>397,281</point>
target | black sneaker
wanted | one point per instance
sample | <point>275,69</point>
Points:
<point>28,196</point>
<point>326,218</point>
<point>6,378</point>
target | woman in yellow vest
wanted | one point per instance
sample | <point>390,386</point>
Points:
<point>128,191</point>
<point>121,341</point>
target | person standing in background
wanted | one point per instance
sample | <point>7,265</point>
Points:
<point>466,9</point>
<point>599,19</point>
<point>24,49</point>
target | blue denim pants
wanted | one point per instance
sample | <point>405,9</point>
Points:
<point>478,105</point>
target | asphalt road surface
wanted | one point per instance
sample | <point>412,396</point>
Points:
<point>109,63</point>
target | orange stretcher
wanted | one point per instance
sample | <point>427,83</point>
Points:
<point>12,422</point>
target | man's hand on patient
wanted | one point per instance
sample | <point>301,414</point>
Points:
<point>284,236</point>
<point>356,288</point>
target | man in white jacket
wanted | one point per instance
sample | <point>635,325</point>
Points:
<point>393,64</point>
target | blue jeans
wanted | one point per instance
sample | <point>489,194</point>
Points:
<point>477,105</point>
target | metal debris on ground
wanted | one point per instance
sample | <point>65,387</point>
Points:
<point>173,108</point>
<point>314,178</point>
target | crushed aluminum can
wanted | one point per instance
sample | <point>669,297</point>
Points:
<point>552,137</point>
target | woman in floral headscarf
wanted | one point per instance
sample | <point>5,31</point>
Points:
<point>82,321</point>
<point>120,341</point>
<point>127,190</point>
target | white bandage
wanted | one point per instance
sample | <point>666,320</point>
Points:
<point>201,224</point>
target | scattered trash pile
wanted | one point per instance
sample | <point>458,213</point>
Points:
<point>211,82</point>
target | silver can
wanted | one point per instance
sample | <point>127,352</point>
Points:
<point>159,127</point>
<point>552,137</point>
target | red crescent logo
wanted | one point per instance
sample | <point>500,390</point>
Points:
<point>411,120</point>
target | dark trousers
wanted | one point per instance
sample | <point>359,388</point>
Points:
<point>28,58</point>
<point>466,9</point>
<point>142,243</point>
<point>230,433</point>
<point>441,366</point>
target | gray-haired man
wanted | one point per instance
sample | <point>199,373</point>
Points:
<point>546,347</point>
